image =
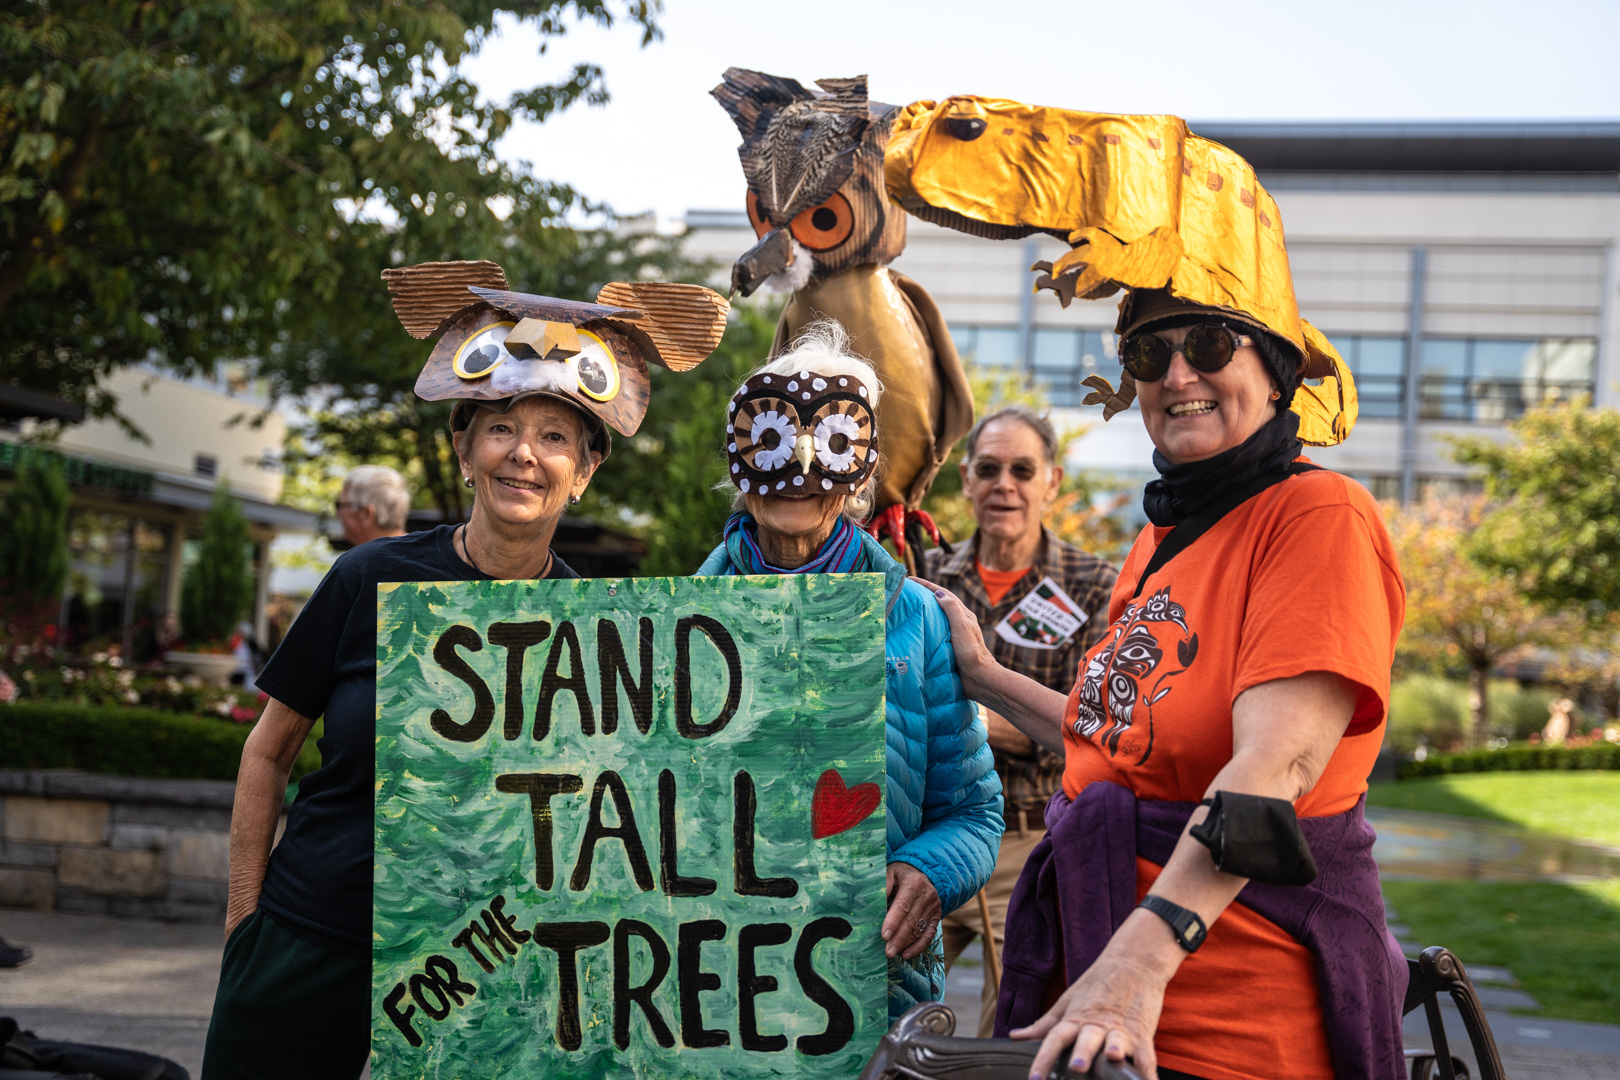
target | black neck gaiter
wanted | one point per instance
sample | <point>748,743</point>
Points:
<point>1184,490</point>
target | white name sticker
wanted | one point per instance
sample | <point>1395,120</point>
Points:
<point>1044,619</point>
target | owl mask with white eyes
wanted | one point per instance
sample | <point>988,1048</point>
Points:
<point>802,433</point>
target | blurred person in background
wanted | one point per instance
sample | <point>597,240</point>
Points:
<point>373,503</point>
<point>1040,603</point>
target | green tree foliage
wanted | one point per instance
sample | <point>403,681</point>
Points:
<point>226,178</point>
<point>1559,477</point>
<point>218,588</point>
<point>665,479</point>
<point>33,549</point>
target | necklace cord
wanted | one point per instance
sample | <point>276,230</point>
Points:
<point>467,551</point>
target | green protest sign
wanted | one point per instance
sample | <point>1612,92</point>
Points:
<point>629,826</point>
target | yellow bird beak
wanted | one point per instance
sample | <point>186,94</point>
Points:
<point>804,452</point>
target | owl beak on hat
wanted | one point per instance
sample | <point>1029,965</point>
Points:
<point>539,339</point>
<point>772,255</point>
<point>804,451</point>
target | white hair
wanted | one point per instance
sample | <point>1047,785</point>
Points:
<point>382,489</point>
<point>823,347</point>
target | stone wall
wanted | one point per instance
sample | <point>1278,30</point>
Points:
<point>115,845</point>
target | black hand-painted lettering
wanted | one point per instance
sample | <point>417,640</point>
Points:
<point>625,995</point>
<point>693,981</point>
<point>445,655</point>
<point>540,787</point>
<point>402,1020</point>
<point>566,939</point>
<point>497,907</point>
<point>516,639</point>
<point>722,640</point>
<point>750,984</point>
<point>748,883</point>
<point>552,683</point>
<point>840,1017</point>
<point>669,872</point>
<point>625,832</point>
<point>443,969</point>
<point>610,661</point>
<point>422,981</point>
<point>464,940</point>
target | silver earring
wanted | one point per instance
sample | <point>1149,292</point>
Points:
<point>467,480</point>
<point>573,500</point>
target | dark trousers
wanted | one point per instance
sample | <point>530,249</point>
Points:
<point>287,1008</point>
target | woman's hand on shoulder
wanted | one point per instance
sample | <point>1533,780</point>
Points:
<point>967,639</point>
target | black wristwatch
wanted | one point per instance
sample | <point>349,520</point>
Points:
<point>1189,929</point>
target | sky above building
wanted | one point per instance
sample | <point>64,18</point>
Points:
<point>663,145</point>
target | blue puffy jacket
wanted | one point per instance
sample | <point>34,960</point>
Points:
<point>944,797</point>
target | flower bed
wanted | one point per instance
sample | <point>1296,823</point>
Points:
<point>104,680</point>
<point>129,741</point>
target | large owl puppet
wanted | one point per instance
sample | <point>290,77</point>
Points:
<point>827,231</point>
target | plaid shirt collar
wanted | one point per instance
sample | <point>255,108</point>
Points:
<point>960,568</point>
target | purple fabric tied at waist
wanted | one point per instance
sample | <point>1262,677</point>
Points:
<point>1081,878</point>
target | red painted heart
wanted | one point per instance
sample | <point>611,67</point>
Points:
<point>835,808</point>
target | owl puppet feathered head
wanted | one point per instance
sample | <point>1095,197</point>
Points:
<point>496,347</point>
<point>814,165</point>
<point>1181,223</point>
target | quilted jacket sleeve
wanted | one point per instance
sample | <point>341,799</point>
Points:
<point>961,822</point>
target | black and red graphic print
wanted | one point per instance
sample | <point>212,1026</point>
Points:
<point>1122,681</point>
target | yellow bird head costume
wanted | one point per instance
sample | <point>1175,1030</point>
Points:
<point>497,346</point>
<point>1147,206</point>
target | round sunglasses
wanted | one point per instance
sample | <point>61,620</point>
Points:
<point>1209,347</point>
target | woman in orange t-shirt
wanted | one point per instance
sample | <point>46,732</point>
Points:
<point>1253,660</point>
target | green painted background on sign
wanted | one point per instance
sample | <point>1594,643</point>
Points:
<point>454,848</point>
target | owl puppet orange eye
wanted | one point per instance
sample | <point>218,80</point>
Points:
<point>824,227</point>
<point>756,216</point>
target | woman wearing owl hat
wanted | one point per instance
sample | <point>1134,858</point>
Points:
<point>803,447</point>
<point>1205,901</point>
<point>537,382</point>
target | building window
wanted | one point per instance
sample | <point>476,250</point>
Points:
<point>1497,379</point>
<point>987,346</point>
<point>1378,364</point>
<point>206,465</point>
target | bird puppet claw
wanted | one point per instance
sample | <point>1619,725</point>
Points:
<point>1104,394</point>
<point>894,521</point>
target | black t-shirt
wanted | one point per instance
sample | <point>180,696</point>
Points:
<point>319,879</point>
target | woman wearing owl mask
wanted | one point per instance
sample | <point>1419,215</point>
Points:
<point>534,384</point>
<point>803,447</point>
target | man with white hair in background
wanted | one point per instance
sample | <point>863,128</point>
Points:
<point>374,502</point>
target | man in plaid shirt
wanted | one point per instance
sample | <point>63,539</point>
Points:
<point>1041,604</point>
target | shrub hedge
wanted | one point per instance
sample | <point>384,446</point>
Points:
<point>1518,756</point>
<point>128,742</point>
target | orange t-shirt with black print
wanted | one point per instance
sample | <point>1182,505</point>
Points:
<point>1300,578</point>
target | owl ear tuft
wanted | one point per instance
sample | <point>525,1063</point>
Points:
<point>847,96</point>
<point>683,323</point>
<point>751,97</point>
<point>429,295</point>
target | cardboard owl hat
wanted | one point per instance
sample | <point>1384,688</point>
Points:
<point>496,347</point>
<point>1145,205</point>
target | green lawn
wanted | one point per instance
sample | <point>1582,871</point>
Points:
<point>1562,942</point>
<point>1585,805</point>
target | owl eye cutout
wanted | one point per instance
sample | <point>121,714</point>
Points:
<point>842,432</point>
<point>824,227</point>
<point>483,352</point>
<point>756,215</point>
<point>765,429</point>
<point>595,368</point>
